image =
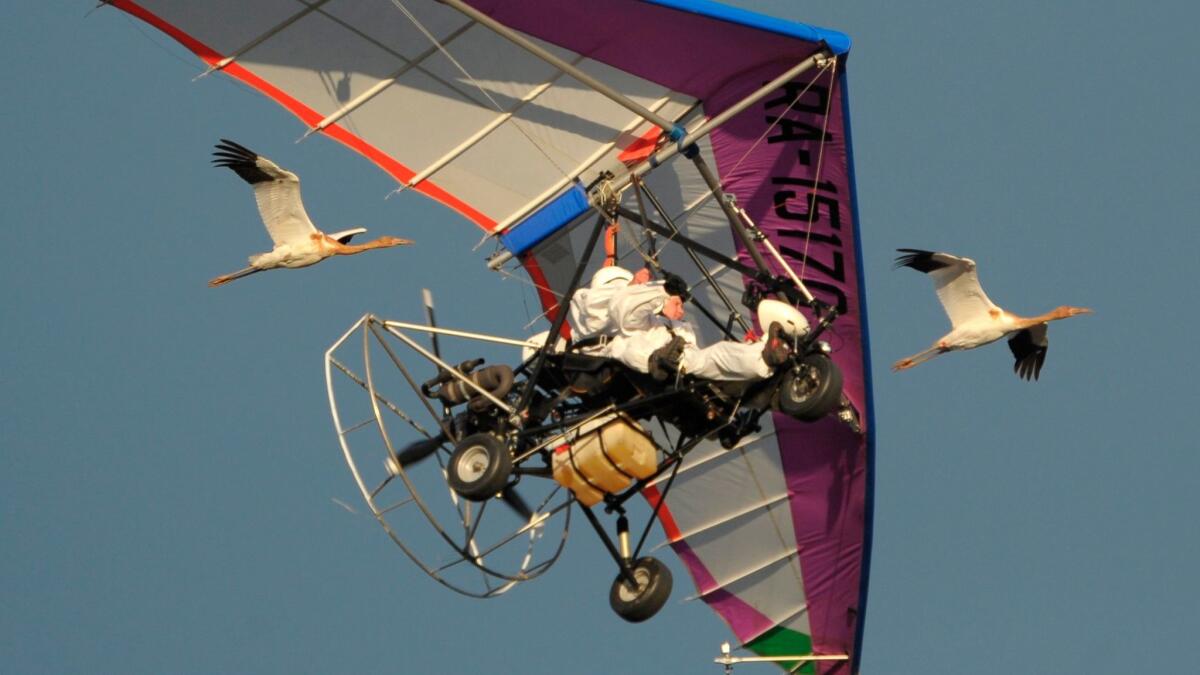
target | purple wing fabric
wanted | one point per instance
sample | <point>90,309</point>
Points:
<point>776,533</point>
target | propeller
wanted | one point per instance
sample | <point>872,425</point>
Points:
<point>416,451</point>
<point>513,499</point>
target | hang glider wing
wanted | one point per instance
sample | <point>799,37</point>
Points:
<point>775,533</point>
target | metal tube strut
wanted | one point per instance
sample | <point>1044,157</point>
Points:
<point>626,570</point>
<point>822,58</point>
<point>731,214</point>
<point>560,317</point>
<point>760,236</point>
<point>623,535</point>
<point>481,337</point>
<point>694,246</point>
<point>712,282</point>
<point>652,262</point>
<point>805,658</point>
<point>455,372</point>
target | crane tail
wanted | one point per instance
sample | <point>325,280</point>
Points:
<point>226,278</point>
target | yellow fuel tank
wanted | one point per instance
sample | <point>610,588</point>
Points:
<point>602,455</point>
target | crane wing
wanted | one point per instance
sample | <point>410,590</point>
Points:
<point>276,190</point>
<point>1029,347</point>
<point>955,281</point>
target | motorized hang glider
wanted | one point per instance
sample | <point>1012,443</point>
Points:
<point>721,141</point>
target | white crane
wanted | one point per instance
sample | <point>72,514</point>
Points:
<point>975,320</point>
<point>298,243</point>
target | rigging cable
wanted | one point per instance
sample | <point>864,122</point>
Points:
<point>831,67</point>
<point>421,27</point>
<point>812,200</point>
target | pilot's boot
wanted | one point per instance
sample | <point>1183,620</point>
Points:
<point>664,361</point>
<point>777,349</point>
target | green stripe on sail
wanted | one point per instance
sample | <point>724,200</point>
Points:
<point>780,641</point>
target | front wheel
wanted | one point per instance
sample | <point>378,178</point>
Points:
<point>635,604</point>
<point>479,467</point>
<point>812,389</point>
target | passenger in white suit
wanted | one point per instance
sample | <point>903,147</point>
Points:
<point>649,319</point>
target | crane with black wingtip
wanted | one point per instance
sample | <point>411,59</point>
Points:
<point>298,243</point>
<point>975,320</point>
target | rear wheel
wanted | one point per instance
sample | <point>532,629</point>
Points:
<point>812,389</point>
<point>640,602</point>
<point>479,467</point>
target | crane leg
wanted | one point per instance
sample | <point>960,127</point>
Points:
<point>226,278</point>
<point>919,358</point>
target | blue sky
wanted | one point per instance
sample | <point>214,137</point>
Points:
<point>170,467</point>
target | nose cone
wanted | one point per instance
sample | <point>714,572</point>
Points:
<point>789,318</point>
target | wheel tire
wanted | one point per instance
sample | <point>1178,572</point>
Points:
<point>479,467</point>
<point>814,391</point>
<point>654,587</point>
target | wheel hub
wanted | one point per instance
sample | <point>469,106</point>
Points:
<point>473,464</point>
<point>642,577</point>
<point>803,384</point>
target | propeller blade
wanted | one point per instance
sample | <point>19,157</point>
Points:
<point>427,296</point>
<point>415,452</point>
<point>514,500</point>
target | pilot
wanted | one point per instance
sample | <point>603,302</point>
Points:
<point>591,324</point>
<point>652,336</point>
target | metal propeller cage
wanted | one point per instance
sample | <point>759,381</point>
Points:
<point>479,549</point>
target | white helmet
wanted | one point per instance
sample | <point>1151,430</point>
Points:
<point>611,275</point>
<point>528,350</point>
<point>789,318</point>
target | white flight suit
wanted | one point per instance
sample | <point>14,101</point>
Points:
<point>641,330</point>
<point>589,314</point>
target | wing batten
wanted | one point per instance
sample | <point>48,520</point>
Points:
<point>386,82</point>
<point>765,503</point>
<point>483,132</point>
<point>785,557</point>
